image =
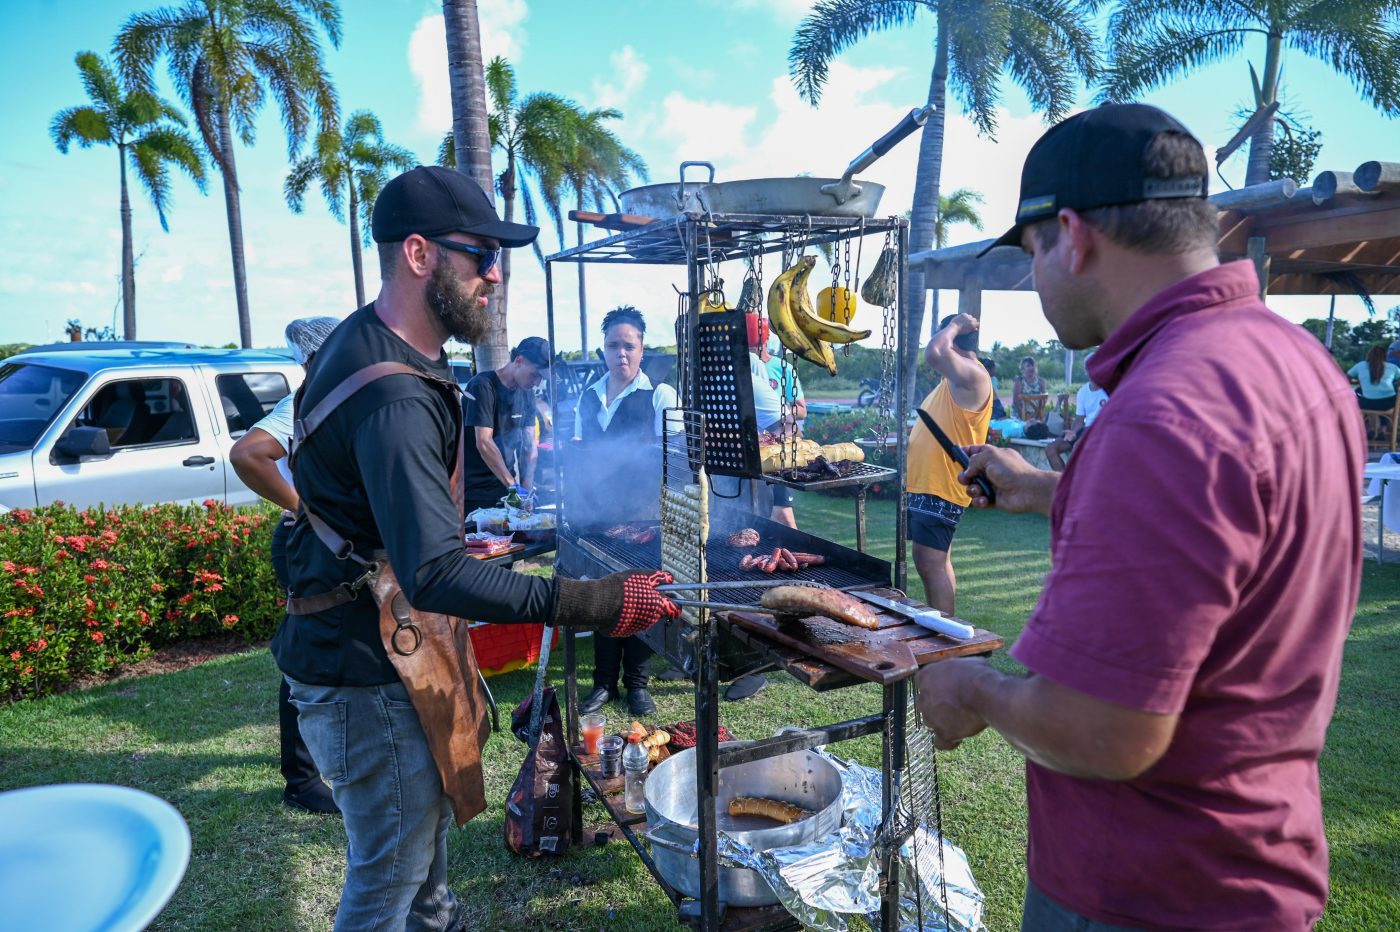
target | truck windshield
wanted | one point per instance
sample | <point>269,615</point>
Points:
<point>30,396</point>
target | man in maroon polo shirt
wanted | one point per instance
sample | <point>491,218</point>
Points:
<point>1205,542</point>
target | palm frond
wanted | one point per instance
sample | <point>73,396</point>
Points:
<point>447,151</point>
<point>833,26</point>
<point>176,147</point>
<point>143,37</point>
<point>304,171</point>
<point>150,170</point>
<point>1173,46</point>
<point>500,84</point>
<point>83,124</point>
<point>1358,40</point>
<point>976,56</point>
<point>99,80</point>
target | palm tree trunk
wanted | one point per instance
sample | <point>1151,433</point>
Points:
<point>508,215</point>
<point>128,262</point>
<point>355,259</point>
<point>582,286</point>
<point>924,217</point>
<point>1261,144</point>
<point>472,138</point>
<point>234,210</point>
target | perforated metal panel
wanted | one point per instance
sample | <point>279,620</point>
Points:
<point>724,395</point>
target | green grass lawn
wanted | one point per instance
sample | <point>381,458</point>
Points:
<point>206,739</point>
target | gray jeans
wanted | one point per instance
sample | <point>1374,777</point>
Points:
<point>1043,914</point>
<point>369,745</point>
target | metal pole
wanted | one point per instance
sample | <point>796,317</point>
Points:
<point>892,758</point>
<point>901,569</point>
<point>860,518</point>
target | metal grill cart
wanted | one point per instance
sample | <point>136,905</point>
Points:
<point>710,446</point>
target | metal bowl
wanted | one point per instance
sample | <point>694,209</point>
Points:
<point>802,778</point>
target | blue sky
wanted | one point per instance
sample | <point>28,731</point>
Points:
<point>696,79</point>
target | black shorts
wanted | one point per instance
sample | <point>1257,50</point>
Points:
<point>933,521</point>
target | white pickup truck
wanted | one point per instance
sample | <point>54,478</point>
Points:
<point>127,426</point>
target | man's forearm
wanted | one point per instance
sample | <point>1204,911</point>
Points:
<point>264,478</point>
<point>532,456</point>
<point>491,455</point>
<point>1059,729</point>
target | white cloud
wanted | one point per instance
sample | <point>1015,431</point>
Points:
<point>629,73</point>
<point>705,129</point>
<point>502,34</point>
<point>173,273</point>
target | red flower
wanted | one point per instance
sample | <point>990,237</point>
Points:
<point>89,578</point>
<point>100,564</point>
<point>62,555</point>
<point>214,587</point>
<point>157,587</point>
<point>230,621</point>
<point>97,636</point>
<point>15,655</point>
<point>211,504</point>
<point>186,599</point>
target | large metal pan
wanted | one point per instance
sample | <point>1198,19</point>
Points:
<point>664,201</point>
<point>802,777</point>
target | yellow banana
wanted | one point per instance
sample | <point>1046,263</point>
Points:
<point>817,329</point>
<point>800,306</point>
<point>780,314</point>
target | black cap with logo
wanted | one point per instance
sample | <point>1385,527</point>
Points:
<point>431,201</point>
<point>1095,159</point>
<point>535,350</point>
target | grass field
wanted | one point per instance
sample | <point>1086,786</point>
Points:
<point>206,739</point>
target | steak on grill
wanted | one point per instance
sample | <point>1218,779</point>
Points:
<point>744,539</point>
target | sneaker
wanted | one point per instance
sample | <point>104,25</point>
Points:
<point>639,702</point>
<point>314,797</point>
<point>746,686</point>
<point>595,700</point>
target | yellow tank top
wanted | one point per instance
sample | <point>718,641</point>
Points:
<point>930,471</point>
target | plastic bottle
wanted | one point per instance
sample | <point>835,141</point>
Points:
<point>635,761</point>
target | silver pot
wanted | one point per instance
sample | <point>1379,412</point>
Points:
<point>802,778</point>
<point>817,197</point>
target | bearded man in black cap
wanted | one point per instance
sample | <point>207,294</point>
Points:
<point>378,435</point>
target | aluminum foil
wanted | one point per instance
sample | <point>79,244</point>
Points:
<point>825,882</point>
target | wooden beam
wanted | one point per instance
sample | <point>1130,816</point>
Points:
<point>970,296</point>
<point>1377,176</point>
<point>1351,220</point>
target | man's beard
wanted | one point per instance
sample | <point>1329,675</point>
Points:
<point>461,312</point>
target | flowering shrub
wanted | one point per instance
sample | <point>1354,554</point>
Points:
<point>84,591</point>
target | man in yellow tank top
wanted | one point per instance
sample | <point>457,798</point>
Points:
<point>962,406</point>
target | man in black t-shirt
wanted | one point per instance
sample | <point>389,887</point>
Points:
<point>377,473</point>
<point>499,408</point>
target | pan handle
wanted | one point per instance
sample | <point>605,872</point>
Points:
<point>904,128</point>
<point>681,199</point>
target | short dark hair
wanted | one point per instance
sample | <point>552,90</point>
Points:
<point>389,259</point>
<point>624,314</point>
<point>1162,226</point>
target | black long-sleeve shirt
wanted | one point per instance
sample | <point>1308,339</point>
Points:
<point>377,471</point>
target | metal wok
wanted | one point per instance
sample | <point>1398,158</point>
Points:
<point>817,197</point>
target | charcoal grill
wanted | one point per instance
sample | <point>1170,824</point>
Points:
<point>713,434</point>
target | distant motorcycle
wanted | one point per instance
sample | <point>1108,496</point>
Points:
<point>869,393</point>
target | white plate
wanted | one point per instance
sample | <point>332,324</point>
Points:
<point>84,857</point>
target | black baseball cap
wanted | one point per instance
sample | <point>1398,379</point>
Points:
<point>535,350</point>
<point>431,201</point>
<point>1095,159</point>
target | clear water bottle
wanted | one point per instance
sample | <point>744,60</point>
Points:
<point>635,761</point>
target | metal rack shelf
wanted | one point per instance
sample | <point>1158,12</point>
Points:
<point>862,474</point>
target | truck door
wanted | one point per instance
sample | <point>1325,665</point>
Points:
<point>163,449</point>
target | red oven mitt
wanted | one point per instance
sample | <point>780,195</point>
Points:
<point>620,605</point>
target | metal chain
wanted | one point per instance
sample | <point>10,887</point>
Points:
<point>845,267</point>
<point>885,401</point>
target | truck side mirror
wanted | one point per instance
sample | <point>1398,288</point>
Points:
<point>82,441</point>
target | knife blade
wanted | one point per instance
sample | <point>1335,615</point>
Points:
<point>930,618</point>
<point>957,454</point>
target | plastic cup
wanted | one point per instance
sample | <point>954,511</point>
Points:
<point>591,727</point>
<point>610,756</point>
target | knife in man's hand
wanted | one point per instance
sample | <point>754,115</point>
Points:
<point>957,455</point>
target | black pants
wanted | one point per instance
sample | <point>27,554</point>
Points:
<point>1376,404</point>
<point>298,769</point>
<point>631,654</point>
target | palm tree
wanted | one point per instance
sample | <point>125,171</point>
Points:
<point>1152,41</point>
<point>225,57</point>
<point>958,207</point>
<point>471,133</point>
<point>1046,46</point>
<point>596,165</point>
<point>146,130</point>
<point>353,161</point>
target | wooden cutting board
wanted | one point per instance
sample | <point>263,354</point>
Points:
<point>886,655</point>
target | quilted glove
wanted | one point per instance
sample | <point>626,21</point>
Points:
<point>619,605</point>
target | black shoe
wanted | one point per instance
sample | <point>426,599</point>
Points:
<point>639,702</point>
<point>595,700</point>
<point>746,686</point>
<point>314,797</point>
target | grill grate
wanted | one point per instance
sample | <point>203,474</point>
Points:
<point>724,395</point>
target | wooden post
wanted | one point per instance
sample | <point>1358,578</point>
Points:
<point>970,296</point>
<point>1259,255</point>
<point>1377,176</point>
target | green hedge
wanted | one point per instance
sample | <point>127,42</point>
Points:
<point>82,592</point>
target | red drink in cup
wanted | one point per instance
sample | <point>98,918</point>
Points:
<point>591,726</point>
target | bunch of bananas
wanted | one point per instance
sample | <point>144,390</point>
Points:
<point>796,322</point>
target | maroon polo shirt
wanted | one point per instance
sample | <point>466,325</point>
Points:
<point>1206,553</point>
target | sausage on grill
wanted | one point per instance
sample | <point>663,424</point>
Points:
<point>774,809</point>
<point>811,600</point>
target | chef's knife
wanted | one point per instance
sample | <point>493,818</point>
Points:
<point>929,618</point>
<point>957,455</point>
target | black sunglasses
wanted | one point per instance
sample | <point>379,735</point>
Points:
<point>486,259</point>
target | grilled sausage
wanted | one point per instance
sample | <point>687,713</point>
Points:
<point>809,559</point>
<point>774,809</point>
<point>812,600</point>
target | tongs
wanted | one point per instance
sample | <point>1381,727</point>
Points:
<point>734,584</point>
